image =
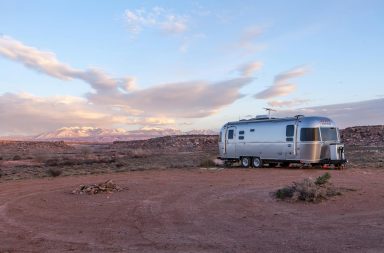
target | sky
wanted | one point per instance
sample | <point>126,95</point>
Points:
<point>187,64</point>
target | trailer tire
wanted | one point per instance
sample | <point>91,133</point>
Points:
<point>257,162</point>
<point>245,162</point>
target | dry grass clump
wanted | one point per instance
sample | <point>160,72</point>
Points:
<point>16,158</point>
<point>139,153</point>
<point>207,163</point>
<point>108,187</point>
<point>309,190</point>
<point>54,172</point>
<point>41,157</point>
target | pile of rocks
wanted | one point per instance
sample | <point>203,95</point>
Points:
<point>363,136</point>
<point>107,187</point>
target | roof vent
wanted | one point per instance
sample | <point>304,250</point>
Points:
<point>262,117</point>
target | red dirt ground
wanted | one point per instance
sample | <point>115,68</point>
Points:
<point>195,210</point>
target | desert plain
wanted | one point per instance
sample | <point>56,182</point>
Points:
<point>173,198</point>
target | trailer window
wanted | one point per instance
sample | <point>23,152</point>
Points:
<point>241,132</point>
<point>309,134</point>
<point>252,130</point>
<point>241,137</point>
<point>230,134</point>
<point>221,136</point>
<point>328,133</point>
<point>289,132</point>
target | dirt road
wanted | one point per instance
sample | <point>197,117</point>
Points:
<point>193,210</point>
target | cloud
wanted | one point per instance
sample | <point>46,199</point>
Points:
<point>280,86</point>
<point>47,63</point>
<point>155,18</point>
<point>360,113</point>
<point>250,68</point>
<point>252,32</point>
<point>184,100</point>
<point>159,121</point>
<point>44,62</point>
<point>247,41</point>
<point>25,113</point>
<point>288,103</point>
<point>114,101</point>
<point>296,72</point>
<point>29,114</point>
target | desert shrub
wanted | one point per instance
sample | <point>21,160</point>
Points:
<point>52,162</point>
<point>1,158</point>
<point>16,158</point>
<point>205,163</point>
<point>41,157</point>
<point>285,192</point>
<point>323,179</point>
<point>139,153</point>
<point>119,164</point>
<point>309,190</point>
<point>85,151</point>
<point>68,162</point>
<point>54,172</point>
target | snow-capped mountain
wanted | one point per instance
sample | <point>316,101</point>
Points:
<point>80,132</point>
<point>92,134</point>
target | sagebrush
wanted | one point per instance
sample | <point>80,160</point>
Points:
<point>309,190</point>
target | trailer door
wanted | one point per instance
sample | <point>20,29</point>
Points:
<point>290,139</point>
<point>230,142</point>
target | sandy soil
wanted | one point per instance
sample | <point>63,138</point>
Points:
<point>195,210</point>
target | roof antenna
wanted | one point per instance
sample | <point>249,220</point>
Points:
<point>269,110</point>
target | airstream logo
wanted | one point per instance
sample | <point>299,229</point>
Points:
<point>325,122</point>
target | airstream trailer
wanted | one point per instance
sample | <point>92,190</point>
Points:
<point>265,140</point>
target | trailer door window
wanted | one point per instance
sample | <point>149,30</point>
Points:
<point>230,134</point>
<point>289,132</point>
<point>241,135</point>
<point>328,133</point>
<point>309,134</point>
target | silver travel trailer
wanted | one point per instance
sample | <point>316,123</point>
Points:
<point>264,140</point>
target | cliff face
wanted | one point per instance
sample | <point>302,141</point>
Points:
<point>372,136</point>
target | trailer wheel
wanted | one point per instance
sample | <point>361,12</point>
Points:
<point>245,162</point>
<point>257,163</point>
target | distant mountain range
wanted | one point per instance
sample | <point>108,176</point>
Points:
<point>92,134</point>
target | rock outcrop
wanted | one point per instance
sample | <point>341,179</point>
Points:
<point>363,136</point>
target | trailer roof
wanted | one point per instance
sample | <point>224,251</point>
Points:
<point>304,119</point>
<point>254,120</point>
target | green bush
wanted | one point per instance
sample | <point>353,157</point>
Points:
<point>323,179</point>
<point>285,192</point>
